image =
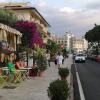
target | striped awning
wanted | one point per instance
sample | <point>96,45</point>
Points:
<point>9,29</point>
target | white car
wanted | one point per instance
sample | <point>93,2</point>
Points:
<point>80,58</point>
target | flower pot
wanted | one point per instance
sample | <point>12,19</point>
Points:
<point>41,73</point>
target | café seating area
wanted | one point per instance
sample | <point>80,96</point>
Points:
<point>17,76</point>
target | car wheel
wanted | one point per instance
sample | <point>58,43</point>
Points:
<point>75,61</point>
<point>83,61</point>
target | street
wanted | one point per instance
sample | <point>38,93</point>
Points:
<point>89,74</point>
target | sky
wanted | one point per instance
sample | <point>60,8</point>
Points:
<point>75,16</point>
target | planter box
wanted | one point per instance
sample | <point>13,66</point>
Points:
<point>41,73</point>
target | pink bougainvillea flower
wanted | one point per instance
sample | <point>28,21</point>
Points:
<point>30,29</point>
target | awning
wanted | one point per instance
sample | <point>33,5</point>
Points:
<point>9,29</point>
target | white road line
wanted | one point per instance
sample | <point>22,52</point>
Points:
<point>79,85</point>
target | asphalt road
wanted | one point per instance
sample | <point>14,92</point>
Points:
<point>89,74</point>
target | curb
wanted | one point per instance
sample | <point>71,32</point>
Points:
<point>71,96</point>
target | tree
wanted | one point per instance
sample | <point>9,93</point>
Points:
<point>93,36</point>
<point>53,47</point>
<point>65,52</point>
<point>7,17</point>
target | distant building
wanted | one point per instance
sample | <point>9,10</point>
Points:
<point>66,40</point>
<point>80,45</point>
<point>71,43</point>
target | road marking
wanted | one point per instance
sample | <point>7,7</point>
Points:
<point>79,85</point>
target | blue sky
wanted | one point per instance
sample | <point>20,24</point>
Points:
<point>76,16</point>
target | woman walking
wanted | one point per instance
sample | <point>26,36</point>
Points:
<point>59,59</point>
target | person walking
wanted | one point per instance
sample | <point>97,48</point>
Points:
<point>59,59</point>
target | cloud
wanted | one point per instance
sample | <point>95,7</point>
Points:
<point>67,10</point>
<point>40,4</point>
<point>3,0</point>
<point>78,22</point>
<point>76,16</point>
<point>93,5</point>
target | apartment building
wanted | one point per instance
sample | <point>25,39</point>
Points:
<point>71,43</point>
<point>66,40</point>
<point>27,13</point>
<point>80,45</point>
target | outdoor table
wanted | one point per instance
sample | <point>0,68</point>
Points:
<point>4,67</point>
<point>27,70</point>
<point>5,70</point>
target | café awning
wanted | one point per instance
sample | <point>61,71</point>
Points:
<point>9,29</point>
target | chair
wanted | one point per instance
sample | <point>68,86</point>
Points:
<point>3,78</point>
<point>12,76</point>
<point>23,73</point>
<point>15,76</point>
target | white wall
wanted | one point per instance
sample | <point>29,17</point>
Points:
<point>23,15</point>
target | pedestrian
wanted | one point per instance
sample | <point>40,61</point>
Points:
<point>59,59</point>
<point>2,60</point>
<point>19,64</point>
<point>10,64</point>
<point>15,75</point>
<point>48,58</point>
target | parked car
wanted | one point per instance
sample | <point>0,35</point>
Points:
<point>97,58</point>
<point>80,58</point>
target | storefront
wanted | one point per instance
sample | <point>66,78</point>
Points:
<point>9,39</point>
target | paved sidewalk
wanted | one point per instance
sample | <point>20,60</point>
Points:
<point>36,88</point>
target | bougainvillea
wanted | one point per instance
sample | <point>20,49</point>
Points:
<point>30,34</point>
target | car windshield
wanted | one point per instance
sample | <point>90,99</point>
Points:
<point>80,55</point>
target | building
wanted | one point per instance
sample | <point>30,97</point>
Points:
<point>10,36</point>
<point>80,45</point>
<point>66,40</point>
<point>71,43</point>
<point>27,13</point>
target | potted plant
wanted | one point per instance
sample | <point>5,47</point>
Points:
<point>63,72</point>
<point>40,60</point>
<point>58,90</point>
<point>42,65</point>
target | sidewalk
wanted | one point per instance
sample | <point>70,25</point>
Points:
<point>36,88</point>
